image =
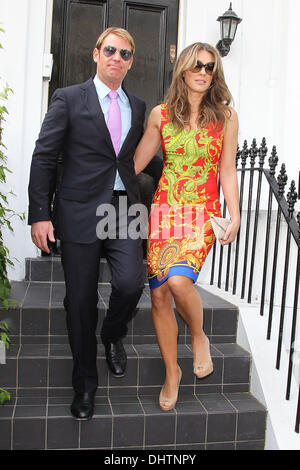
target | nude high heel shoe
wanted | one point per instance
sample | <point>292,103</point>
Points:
<point>204,369</point>
<point>167,404</point>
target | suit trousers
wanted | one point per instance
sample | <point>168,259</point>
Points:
<point>81,264</point>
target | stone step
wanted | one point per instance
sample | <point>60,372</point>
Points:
<point>42,368</point>
<point>215,413</point>
<point>228,421</point>
<point>40,316</point>
<point>47,268</point>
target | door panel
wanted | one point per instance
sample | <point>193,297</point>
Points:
<point>146,78</point>
<point>75,28</point>
<point>84,22</point>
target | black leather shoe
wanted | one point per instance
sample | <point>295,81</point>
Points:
<point>82,407</point>
<point>116,357</point>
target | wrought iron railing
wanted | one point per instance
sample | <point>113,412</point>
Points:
<point>243,259</point>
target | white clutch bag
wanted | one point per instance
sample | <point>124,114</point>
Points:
<point>219,225</point>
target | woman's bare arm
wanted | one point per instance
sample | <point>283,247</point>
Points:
<point>228,177</point>
<point>150,141</point>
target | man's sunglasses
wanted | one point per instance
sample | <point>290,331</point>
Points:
<point>209,67</point>
<point>109,51</point>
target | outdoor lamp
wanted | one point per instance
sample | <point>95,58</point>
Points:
<point>228,24</point>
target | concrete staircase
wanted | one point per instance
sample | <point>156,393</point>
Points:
<point>214,413</point>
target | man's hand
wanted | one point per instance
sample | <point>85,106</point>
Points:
<point>39,233</point>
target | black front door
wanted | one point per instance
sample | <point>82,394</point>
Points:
<point>153,25</point>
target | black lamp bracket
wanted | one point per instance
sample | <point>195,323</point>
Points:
<point>223,47</point>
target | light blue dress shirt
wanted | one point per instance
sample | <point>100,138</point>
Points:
<point>104,100</point>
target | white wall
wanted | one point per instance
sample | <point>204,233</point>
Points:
<point>261,70</point>
<point>24,41</point>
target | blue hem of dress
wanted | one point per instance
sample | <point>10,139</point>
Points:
<point>174,271</point>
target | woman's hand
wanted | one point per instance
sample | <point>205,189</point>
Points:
<point>230,233</point>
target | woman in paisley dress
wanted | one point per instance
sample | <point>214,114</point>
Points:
<point>197,130</point>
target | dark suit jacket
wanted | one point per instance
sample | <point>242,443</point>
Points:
<point>75,126</point>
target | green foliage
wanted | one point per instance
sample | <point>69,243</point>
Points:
<point>4,396</point>
<point>6,214</point>
<point>3,334</point>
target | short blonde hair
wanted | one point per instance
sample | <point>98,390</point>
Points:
<point>122,33</point>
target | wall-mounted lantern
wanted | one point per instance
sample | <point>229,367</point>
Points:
<point>228,24</point>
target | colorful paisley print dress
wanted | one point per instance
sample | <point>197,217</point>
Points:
<point>180,233</point>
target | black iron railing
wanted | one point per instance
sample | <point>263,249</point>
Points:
<point>244,262</point>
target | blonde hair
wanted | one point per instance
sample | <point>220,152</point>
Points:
<point>123,33</point>
<point>214,105</point>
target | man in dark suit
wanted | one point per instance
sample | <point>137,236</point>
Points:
<point>96,126</point>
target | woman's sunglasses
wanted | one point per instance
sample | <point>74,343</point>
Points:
<point>209,67</point>
<point>109,51</point>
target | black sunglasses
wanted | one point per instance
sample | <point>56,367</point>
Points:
<point>109,51</point>
<point>209,67</point>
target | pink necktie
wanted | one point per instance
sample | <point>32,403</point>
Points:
<point>114,122</point>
